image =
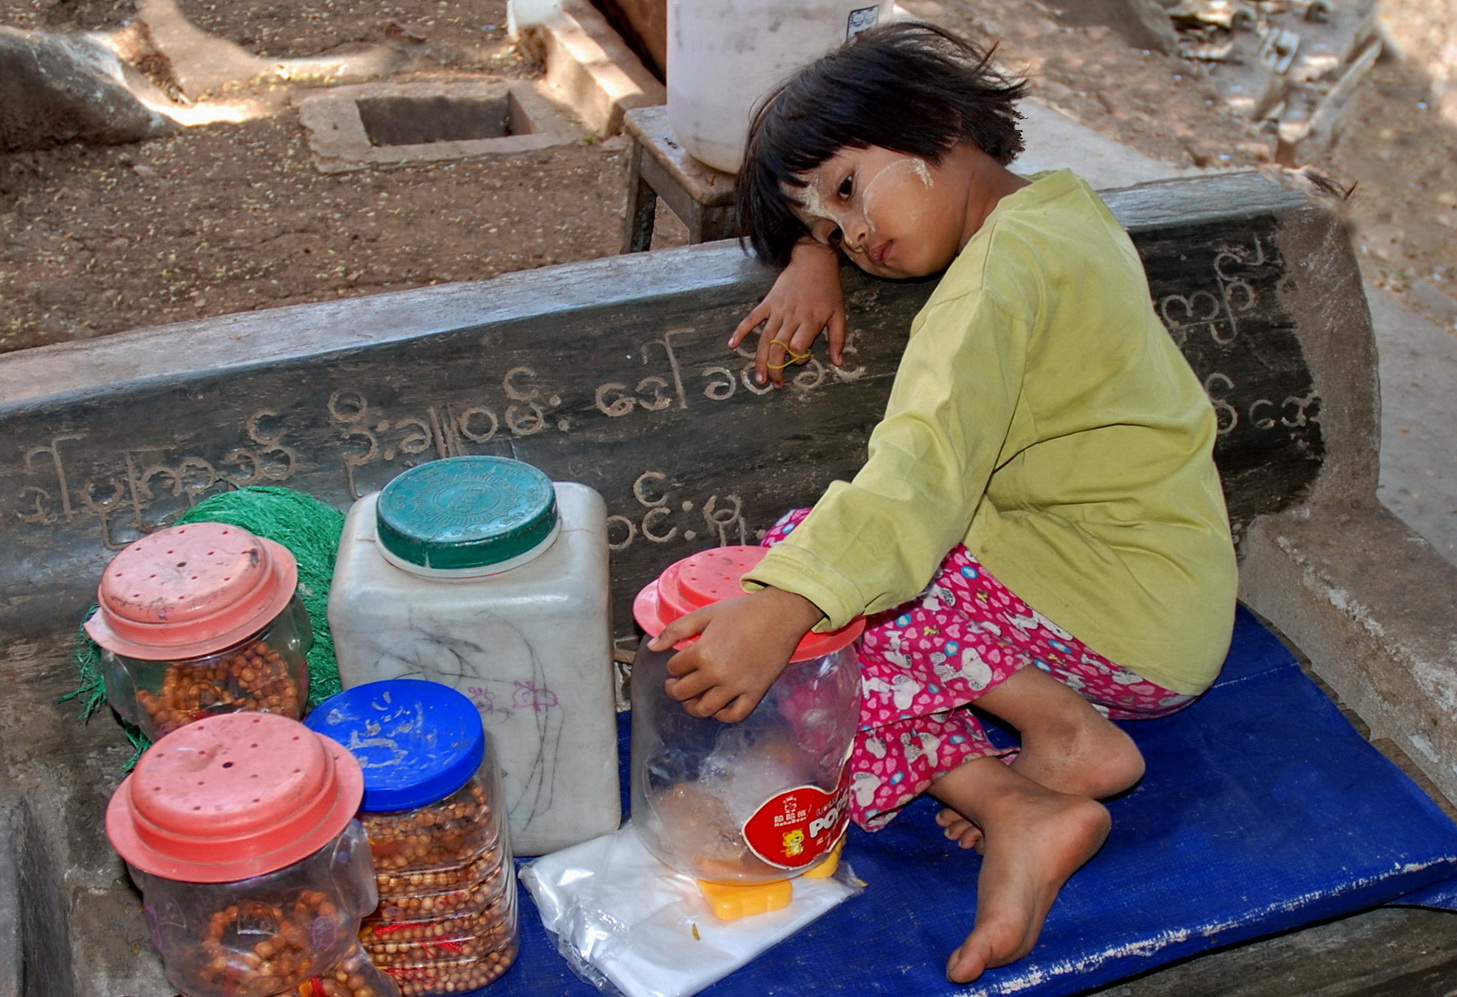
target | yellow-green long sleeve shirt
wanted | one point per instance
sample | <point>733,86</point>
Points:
<point>1042,415</point>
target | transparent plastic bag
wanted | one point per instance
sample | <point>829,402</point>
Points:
<point>631,926</point>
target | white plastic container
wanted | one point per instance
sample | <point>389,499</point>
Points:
<point>725,55</point>
<point>482,574</point>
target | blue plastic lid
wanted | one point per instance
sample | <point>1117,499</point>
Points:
<point>416,741</point>
<point>467,512</point>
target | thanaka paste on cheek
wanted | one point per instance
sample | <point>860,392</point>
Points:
<point>888,175</point>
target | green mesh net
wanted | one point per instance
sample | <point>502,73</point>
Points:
<point>309,528</point>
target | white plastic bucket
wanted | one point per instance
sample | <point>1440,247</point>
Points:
<point>725,55</point>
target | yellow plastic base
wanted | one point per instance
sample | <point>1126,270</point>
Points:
<point>729,903</point>
<point>825,867</point>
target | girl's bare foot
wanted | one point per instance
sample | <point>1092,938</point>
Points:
<point>1033,840</point>
<point>1096,760</point>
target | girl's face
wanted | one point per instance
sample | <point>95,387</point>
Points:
<point>892,214</point>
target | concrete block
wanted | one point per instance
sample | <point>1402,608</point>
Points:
<point>11,944</point>
<point>592,69</point>
<point>342,137</point>
<point>35,946</point>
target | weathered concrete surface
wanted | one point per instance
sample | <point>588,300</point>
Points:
<point>35,946</point>
<point>11,966</point>
<point>1372,604</point>
<point>80,925</point>
<point>1418,420</point>
<point>590,66</point>
<point>199,62</point>
<point>57,88</point>
<point>203,64</point>
<point>1056,141</point>
<point>1326,300</point>
<point>1369,600</point>
<point>1388,952</point>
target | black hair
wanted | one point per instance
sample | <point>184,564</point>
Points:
<point>909,87</point>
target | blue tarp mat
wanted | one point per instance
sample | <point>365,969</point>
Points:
<point>1262,810</point>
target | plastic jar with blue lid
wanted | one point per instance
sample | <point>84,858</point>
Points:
<point>447,916</point>
<point>483,574</point>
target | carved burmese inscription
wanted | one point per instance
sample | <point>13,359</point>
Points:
<point>1209,319</point>
<point>147,483</point>
<point>640,429</point>
<point>121,498</point>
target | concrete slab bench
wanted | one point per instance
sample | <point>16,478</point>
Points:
<point>614,373</point>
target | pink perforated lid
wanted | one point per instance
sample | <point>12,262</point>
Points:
<point>191,590</point>
<point>231,797</point>
<point>713,575</point>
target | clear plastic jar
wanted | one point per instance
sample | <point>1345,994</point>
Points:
<point>239,831</point>
<point>200,620</point>
<point>753,802</point>
<point>447,920</point>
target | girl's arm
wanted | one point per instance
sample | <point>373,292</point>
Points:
<point>806,300</point>
<point>743,645</point>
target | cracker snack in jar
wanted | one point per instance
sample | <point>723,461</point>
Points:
<point>199,620</point>
<point>240,832</point>
<point>447,916</point>
<point>751,803</point>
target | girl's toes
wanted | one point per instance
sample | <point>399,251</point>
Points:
<point>969,838</point>
<point>958,829</point>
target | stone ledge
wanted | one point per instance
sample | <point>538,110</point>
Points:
<point>1384,640</point>
<point>11,943</point>
<point>591,68</point>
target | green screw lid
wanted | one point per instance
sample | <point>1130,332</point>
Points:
<point>463,513</point>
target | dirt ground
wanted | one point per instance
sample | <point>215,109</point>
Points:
<point>230,217</point>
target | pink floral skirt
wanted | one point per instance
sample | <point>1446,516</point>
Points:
<point>924,663</point>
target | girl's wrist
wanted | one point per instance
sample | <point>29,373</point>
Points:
<point>794,610</point>
<point>816,257</point>
<point>809,248</point>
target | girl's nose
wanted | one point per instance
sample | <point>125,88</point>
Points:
<point>854,231</point>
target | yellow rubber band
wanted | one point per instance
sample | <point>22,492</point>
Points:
<point>790,358</point>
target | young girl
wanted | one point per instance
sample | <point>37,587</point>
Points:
<point>1038,529</point>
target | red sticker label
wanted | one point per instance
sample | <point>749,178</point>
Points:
<point>795,828</point>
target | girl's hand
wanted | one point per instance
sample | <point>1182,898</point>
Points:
<point>806,300</point>
<point>745,644</point>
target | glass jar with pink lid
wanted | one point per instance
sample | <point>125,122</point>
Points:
<point>240,832</point>
<point>200,620</point>
<point>748,804</point>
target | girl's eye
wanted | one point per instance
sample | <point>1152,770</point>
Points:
<point>847,186</point>
<point>836,238</point>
